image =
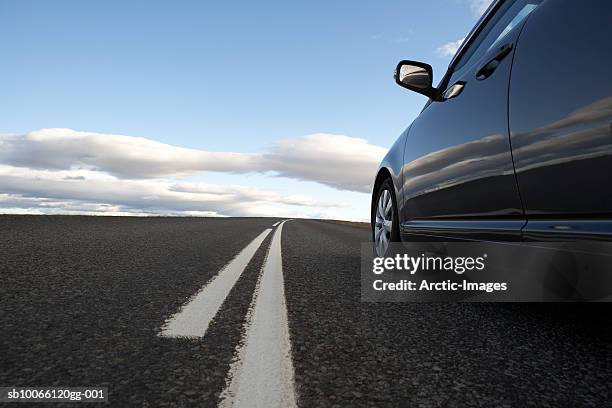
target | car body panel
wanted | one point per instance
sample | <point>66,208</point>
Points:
<point>456,150</point>
<point>391,166</point>
<point>560,115</point>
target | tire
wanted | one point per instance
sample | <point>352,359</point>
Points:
<point>385,220</point>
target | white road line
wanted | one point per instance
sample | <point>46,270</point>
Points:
<point>276,223</point>
<point>262,375</point>
<point>195,316</point>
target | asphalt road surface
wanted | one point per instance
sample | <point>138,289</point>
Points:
<point>96,301</point>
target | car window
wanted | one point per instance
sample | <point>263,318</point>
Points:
<point>510,15</point>
<point>524,12</point>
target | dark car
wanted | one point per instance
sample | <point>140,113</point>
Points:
<point>515,142</point>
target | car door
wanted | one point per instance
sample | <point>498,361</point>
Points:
<point>560,111</point>
<point>458,175</point>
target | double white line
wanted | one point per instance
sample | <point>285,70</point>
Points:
<point>262,373</point>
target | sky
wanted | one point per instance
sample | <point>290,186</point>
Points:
<point>214,108</point>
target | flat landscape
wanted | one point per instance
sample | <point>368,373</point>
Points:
<point>89,301</point>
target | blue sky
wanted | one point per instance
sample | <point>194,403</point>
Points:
<point>221,77</point>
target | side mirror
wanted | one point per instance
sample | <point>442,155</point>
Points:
<point>416,76</point>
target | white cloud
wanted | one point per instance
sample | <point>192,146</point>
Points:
<point>122,156</point>
<point>342,162</point>
<point>478,7</point>
<point>87,191</point>
<point>65,171</point>
<point>449,49</point>
<point>338,161</point>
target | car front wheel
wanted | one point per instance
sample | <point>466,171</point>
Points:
<point>385,223</point>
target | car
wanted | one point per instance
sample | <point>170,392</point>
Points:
<point>515,141</point>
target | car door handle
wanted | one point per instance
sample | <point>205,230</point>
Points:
<point>490,66</point>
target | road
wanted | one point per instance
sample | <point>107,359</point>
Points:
<point>90,301</point>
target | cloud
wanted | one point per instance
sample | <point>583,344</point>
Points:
<point>89,191</point>
<point>478,7</point>
<point>70,172</point>
<point>244,194</point>
<point>342,162</point>
<point>449,49</point>
<point>122,156</point>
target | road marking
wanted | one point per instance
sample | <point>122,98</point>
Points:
<point>195,316</point>
<point>276,223</point>
<point>262,375</point>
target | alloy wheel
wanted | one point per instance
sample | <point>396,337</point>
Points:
<point>383,223</point>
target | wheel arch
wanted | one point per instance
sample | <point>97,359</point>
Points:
<point>382,175</point>
<point>391,168</point>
